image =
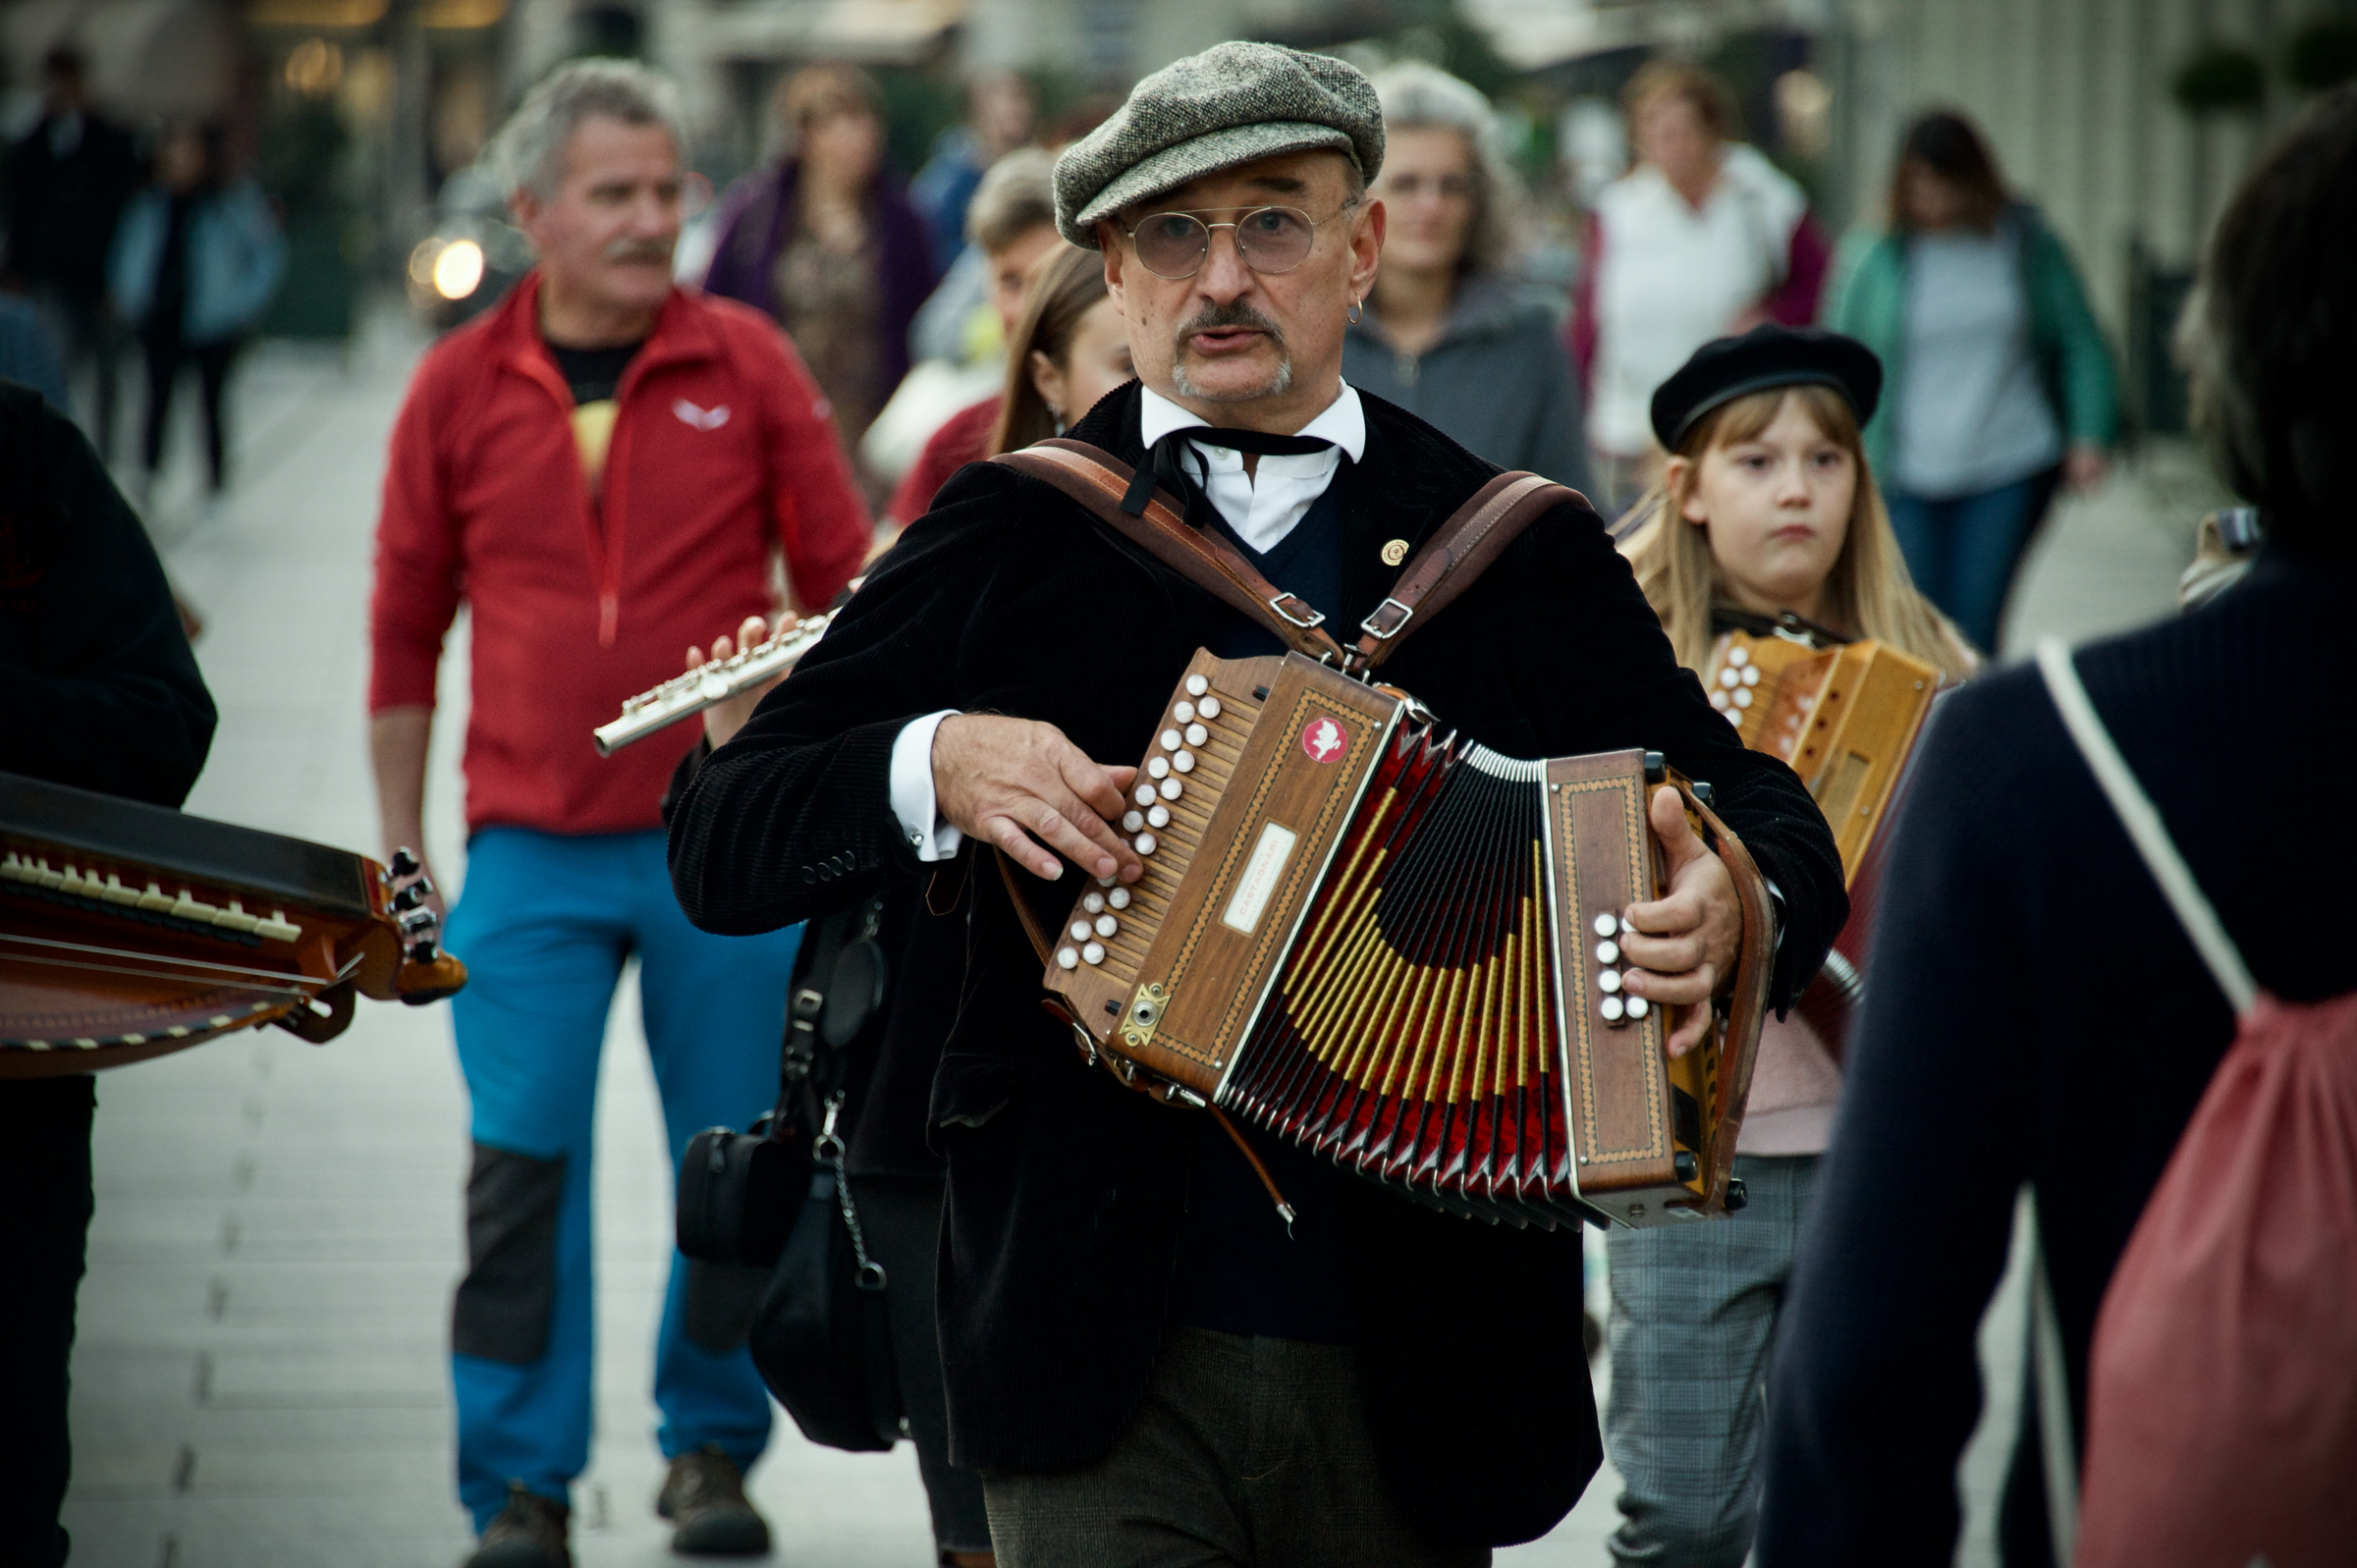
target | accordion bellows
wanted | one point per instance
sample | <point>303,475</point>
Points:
<point>1398,949</point>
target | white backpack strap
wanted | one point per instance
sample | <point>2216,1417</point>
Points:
<point>2142,819</point>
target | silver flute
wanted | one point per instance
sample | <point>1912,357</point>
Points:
<point>686,696</point>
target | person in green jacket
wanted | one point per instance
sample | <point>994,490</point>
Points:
<point>2000,386</point>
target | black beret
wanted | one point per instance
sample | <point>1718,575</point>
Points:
<point>1727,368</point>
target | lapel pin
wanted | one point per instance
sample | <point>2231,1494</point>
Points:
<point>1394,552</point>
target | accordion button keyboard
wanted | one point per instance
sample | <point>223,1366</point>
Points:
<point>1197,735</point>
<point>1171,788</point>
<point>1209,708</point>
<point>1172,739</point>
<point>1196,685</point>
<point>1184,762</point>
<point>1068,957</point>
<point>1094,952</point>
<point>1157,817</point>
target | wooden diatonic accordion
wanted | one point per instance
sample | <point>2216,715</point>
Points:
<point>1844,715</point>
<point>129,930</point>
<point>1397,948</point>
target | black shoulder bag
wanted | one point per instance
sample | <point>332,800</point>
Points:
<point>778,1195</point>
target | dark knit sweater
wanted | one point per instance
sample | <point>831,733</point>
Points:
<point>2035,1014</point>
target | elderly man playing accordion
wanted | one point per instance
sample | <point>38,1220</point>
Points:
<point>1140,1360</point>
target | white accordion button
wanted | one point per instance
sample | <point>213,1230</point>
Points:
<point>1079,931</point>
<point>1131,821</point>
<point>1734,716</point>
<point>1197,735</point>
<point>1119,898</point>
<point>1607,926</point>
<point>1094,952</point>
<point>1609,980</point>
<point>1144,843</point>
<point>1196,685</point>
<point>1751,674</point>
<point>1209,708</point>
<point>1719,700</point>
<point>1170,739</point>
<point>1729,678</point>
<point>1738,656</point>
<point>1606,952</point>
<point>1107,881</point>
<point>1158,767</point>
<point>1184,762</point>
<point>1068,958</point>
<point>1092,902</point>
<point>1610,1007</point>
<point>1158,816</point>
<point>1184,713</point>
<point>1742,696</point>
<point>1637,1006</point>
<point>1143,795</point>
<point>1171,789</point>
<point>1107,925</point>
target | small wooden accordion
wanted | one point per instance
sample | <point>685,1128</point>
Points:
<point>1844,715</point>
<point>127,930</point>
<point>1397,948</point>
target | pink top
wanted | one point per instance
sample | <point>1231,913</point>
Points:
<point>1794,1087</point>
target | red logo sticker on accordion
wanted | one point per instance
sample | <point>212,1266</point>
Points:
<point>1324,740</point>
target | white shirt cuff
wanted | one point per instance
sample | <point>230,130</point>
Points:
<point>913,790</point>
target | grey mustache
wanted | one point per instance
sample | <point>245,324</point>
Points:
<point>638,251</point>
<point>1235,313</point>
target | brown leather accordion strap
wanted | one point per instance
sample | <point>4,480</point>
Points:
<point>1748,996</point>
<point>1022,908</point>
<point>1456,554</point>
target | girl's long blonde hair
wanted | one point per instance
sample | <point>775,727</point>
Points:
<point>1868,593</point>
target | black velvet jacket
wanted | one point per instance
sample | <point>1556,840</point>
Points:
<point>1067,1191</point>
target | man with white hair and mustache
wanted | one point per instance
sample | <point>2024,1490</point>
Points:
<point>600,468</point>
<point>1145,1362</point>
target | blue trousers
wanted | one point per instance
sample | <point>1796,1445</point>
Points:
<point>1963,549</point>
<point>544,927</point>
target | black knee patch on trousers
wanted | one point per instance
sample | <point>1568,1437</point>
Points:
<point>721,1298</point>
<point>510,1293</point>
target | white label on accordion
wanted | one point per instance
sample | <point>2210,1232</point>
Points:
<point>1259,880</point>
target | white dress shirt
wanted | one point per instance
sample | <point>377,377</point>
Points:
<point>1262,506</point>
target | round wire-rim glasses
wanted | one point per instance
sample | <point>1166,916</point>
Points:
<point>1271,240</point>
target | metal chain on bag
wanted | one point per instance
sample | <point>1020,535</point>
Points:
<point>830,1150</point>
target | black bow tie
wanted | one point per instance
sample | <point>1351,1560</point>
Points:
<point>1162,460</point>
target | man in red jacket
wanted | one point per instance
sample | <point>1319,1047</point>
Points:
<point>599,468</point>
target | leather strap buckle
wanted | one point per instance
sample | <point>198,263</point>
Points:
<point>1278,602</point>
<point>1384,628</point>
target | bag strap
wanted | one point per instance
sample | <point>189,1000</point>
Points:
<point>2138,814</point>
<point>1456,554</point>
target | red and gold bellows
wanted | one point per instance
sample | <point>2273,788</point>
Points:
<point>1397,948</point>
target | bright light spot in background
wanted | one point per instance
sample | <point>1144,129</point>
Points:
<point>459,269</point>
<point>314,66</point>
<point>1804,112</point>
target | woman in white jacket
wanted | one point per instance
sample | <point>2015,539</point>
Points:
<point>1703,238</point>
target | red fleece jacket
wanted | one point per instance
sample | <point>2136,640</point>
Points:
<point>722,447</point>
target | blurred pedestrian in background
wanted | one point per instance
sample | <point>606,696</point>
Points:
<point>2000,383</point>
<point>1000,108</point>
<point>2026,970</point>
<point>67,181</point>
<point>1013,223</point>
<point>196,258</point>
<point>600,466</point>
<point>827,244</point>
<point>1449,334</point>
<point>1703,238</point>
<point>1766,504</point>
<point>1071,350</point>
<point>29,351</point>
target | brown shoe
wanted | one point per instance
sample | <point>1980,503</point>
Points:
<point>704,1497</point>
<point>529,1533</point>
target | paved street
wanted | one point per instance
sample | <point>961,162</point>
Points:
<point>260,1378</point>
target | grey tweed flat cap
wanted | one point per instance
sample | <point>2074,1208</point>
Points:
<point>1230,104</point>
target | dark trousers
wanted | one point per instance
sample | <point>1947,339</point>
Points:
<point>45,1222</point>
<point>901,1216</point>
<point>92,336</point>
<point>166,356</point>
<point>1249,1453</point>
<point>1964,551</point>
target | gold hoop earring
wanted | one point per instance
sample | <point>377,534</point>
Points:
<point>1355,313</point>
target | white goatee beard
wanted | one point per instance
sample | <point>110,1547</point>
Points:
<point>1277,386</point>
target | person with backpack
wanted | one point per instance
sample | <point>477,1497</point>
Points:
<point>2037,1011</point>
